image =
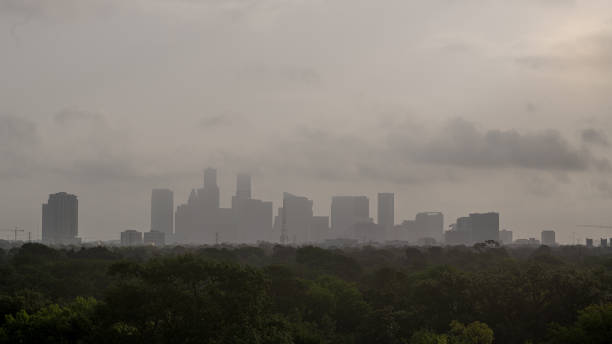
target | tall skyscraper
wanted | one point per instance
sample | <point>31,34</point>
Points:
<point>60,219</point>
<point>209,195</point>
<point>485,227</point>
<point>386,210</point>
<point>346,211</point>
<point>162,211</point>
<point>243,186</point>
<point>548,238</point>
<point>296,218</point>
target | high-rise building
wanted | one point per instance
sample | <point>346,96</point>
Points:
<point>346,211</point>
<point>429,225</point>
<point>162,211</point>
<point>505,236</point>
<point>60,219</point>
<point>209,195</point>
<point>243,186</point>
<point>296,218</point>
<point>131,237</point>
<point>319,228</point>
<point>485,227</point>
<point>154,238</point>
<point>386,210</point>
<point>589,242</point>
<point>603,242</point>
<point>253,217</point>
<point>548,238</point>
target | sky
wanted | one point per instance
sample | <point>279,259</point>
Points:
<point>457,106</point>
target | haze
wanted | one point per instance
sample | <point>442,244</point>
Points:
<point>455,105</point>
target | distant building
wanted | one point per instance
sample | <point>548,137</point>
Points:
<point>347,211</point>
<point>319,228</point>
<point>296,218</point>
<point>131,237</point>
<point>367,231</point>
<point>162,211</point>
<point>253,217</point>
<point>429,225</point>
<point>386,210</point>
<point>155,238</point>
<point>603,242</point>
<point>455,237</point>
<point>505,236</point>
<point>527,242</point>
<point>60,219</point>
<point>548,238</point>
<point>403,232</point>
<point>589,242</point>
<point>485,227</point>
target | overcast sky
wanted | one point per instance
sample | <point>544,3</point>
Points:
<point>455,105</point>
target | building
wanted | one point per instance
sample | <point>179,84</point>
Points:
<point>429,225</point>
<point>319,228</point>
<point>155,238</point>
<point>485,227</point>
<point>253,217</point>
<point>346,211</point>
<point>60,219</point>
<point>505,236</point>
<point>162,211</point>
<point>527,242</point>
<point>603,242</point>
<point>386,210</point>
<point>201,220</point>
<point>131,237</point>
<point>296,218</point>
<point>455,237</point>
<point>589,242</point>
<point>403,232</point>
<point>548,238</point>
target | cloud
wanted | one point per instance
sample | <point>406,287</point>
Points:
<point>19,140</point>
<point>594,137</point>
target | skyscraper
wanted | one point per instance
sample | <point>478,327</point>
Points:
<point>386,210</point>
<point>296,218</point>
<point>243,186</point>
<point>485,227</point>
<point>430,225</point>
<point>209,195</point>
<point>60,219</point>
<point>346,211</point>
<point>162,211</point>
<point>548,238</point>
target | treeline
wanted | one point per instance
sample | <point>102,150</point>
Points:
<point>281,294</point>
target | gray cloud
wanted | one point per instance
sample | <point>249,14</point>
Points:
<point>19,140</point>
<point>594,137</point>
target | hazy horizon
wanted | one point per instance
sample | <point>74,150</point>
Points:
<point>456,106</point>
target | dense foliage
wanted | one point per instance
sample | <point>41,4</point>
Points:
<point>281,294</point>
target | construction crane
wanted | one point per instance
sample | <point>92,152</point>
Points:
<point>15,230</point>
<point>594,226</point>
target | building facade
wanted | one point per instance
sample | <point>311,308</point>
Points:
<point>162,211</point>
<point>60,219</point>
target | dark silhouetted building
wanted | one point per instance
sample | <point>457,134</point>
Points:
<point>60,219</point>
<point>505,236</point>
<point>296,218</point>
<point>603,242</point>
<point>548,238</point>
<point>253,217</point>
<point>162,211</point>
<point>131,237</point>
<point>155,238</point>
<point>347,211</point>
<point>485,227</point>
<point>589,242</point>
<point>429,225</point>
<point>386,210</point>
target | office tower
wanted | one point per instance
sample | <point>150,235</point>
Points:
<point>485,227</point>
<point>505,236</point>
<point>548,238</point>
<point>209,195</point>
<point>243,186</point>
<point>60,219</point>
<point>131,237</point>
<point>253,217</point>
<point>296,217</point>
<point>319,228</point>
<point>429,225</point>
<point>404,231</point>
<point>346,211</point>
<point>589,242</point>
<point>162,211</point>
<point>386,210</point>
<point>603,243</point>
<point>155,238</point>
